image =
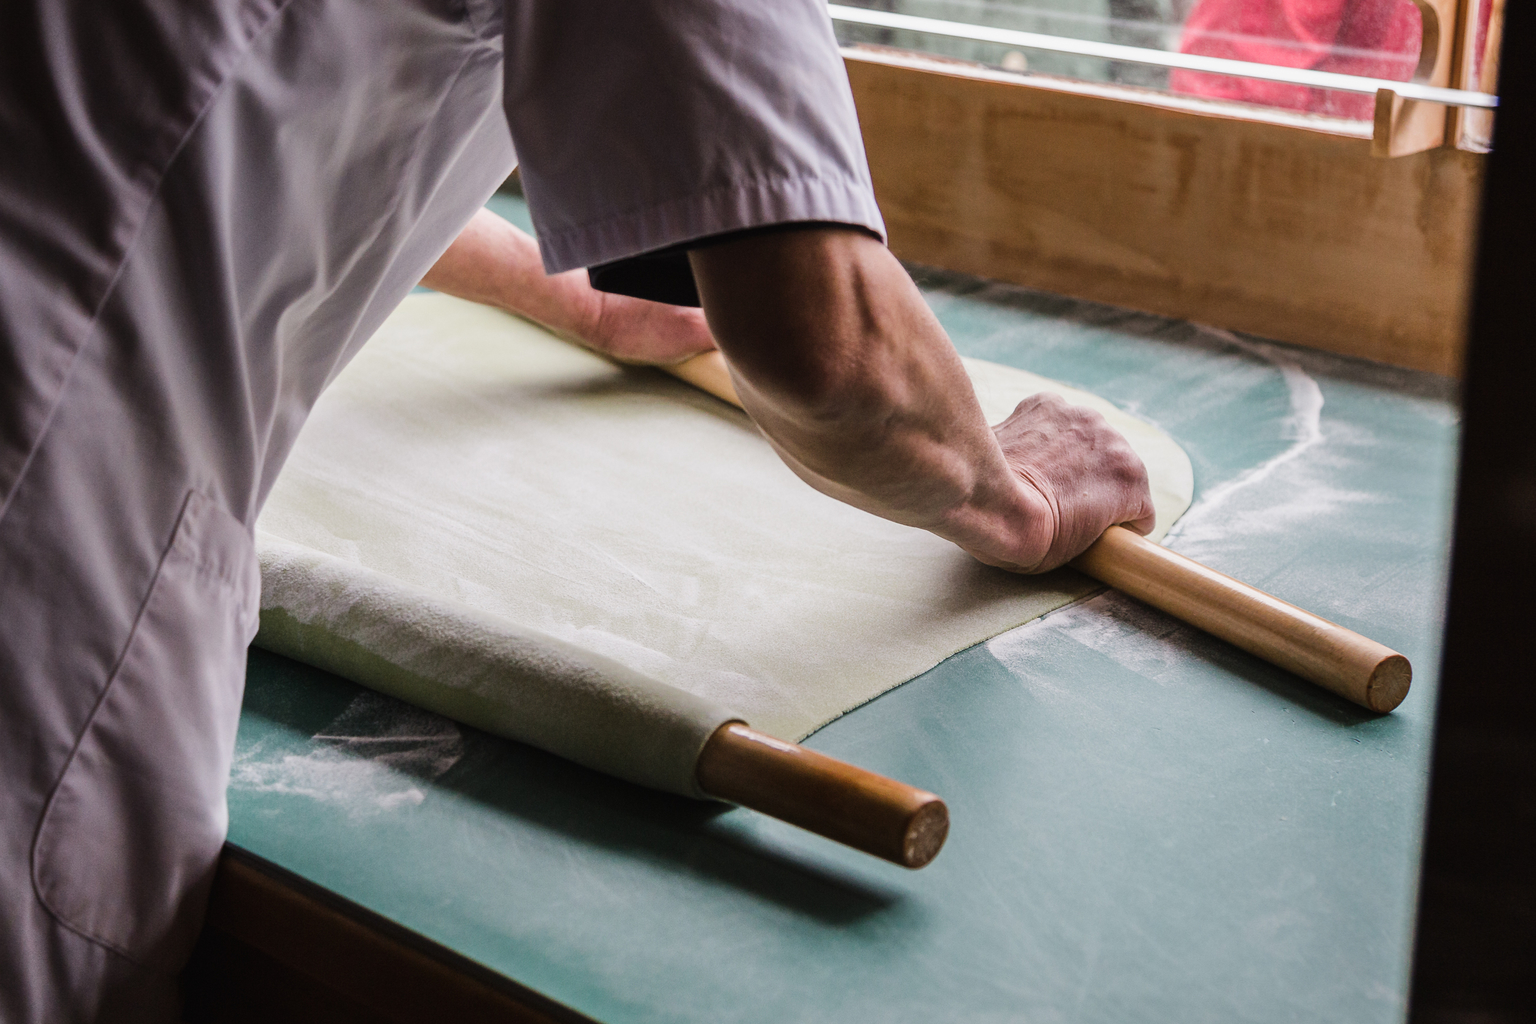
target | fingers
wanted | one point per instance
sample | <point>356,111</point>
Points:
<point>1087,473</point>
<point>1142,525</point>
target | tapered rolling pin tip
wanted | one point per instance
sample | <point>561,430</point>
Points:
<point>892,820</point>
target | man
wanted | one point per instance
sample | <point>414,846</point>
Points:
<point>206,208</point>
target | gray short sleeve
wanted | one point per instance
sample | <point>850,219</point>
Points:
<point>641,124</point>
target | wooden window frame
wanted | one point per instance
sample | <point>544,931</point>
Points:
<point>1284,225</point>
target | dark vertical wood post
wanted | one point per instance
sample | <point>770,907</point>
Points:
<point>1475,956</point>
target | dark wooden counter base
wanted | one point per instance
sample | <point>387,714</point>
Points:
<point>278,948</point>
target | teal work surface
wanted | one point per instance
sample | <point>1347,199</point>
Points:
<point>1147,824</point>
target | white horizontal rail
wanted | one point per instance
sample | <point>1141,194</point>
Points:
<point>1162,58</point>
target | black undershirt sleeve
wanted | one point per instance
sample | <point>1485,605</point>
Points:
<point>665,275</point>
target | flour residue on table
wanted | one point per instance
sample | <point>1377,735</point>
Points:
<point>1296,487</point>
<point>368,760</point>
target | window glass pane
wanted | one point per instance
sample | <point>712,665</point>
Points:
<point>1371,38</point>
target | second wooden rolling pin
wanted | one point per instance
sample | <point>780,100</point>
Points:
<point>1337,659</point>
<point>869,812</point>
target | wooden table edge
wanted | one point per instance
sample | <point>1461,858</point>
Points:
<point>274,942</point>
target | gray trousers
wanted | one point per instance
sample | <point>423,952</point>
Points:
<point>205,208</point>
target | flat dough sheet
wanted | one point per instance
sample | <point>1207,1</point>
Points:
<point>475,457</point>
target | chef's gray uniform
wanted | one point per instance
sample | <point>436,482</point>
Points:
<point>205,209</point>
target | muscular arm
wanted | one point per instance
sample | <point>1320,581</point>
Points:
<point>853,381</point>
<point>845,369</point>
<point>494,263</point>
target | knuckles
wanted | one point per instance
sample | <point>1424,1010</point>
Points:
<point>1064,449</point>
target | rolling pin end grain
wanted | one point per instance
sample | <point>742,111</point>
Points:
<point>845,803</point>
<point>1388,684</point>
<point>926,833</point>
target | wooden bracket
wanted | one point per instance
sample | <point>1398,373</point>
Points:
<point>1411,126</point>
<point>1472,127</point>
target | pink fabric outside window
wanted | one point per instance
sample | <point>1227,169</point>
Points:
<point>1373,38</point>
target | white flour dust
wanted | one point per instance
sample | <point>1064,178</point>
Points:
<point>1296,486</point>
<point>1303,428</point>
<point>1129,633</point>
<point>367,760</point>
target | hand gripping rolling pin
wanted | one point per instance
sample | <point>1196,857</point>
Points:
<point>1352,666</point>
<point>908,826</point>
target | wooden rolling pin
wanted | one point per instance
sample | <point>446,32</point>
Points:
<point>1352,666</point>
<point>821,794</point>
<point>869,812</point>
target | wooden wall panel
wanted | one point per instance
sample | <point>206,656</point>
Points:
<point>1282,231</point>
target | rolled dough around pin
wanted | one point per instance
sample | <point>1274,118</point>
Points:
<point>604,562</point>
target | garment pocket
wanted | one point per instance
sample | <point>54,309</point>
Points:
<point>126,849</point>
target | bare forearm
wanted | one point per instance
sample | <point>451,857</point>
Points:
<point>494,263</point>
<point>839,360</point>
<point>845,369</point>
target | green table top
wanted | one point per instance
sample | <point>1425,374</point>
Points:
<point>1147,824</point>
